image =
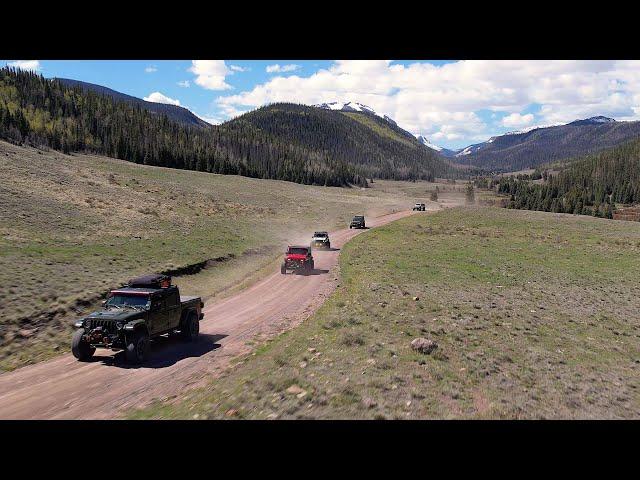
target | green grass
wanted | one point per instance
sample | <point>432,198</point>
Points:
<point>535,315</point>
<point>74,226</point>
<point>378,128</point>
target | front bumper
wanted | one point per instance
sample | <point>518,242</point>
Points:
<point>293,265</point>
<point>103,339</point>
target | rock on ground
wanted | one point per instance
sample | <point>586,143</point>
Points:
<point>423,345</point>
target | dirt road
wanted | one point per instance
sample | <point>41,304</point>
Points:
<point>104,387</point>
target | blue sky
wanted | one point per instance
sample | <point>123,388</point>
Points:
<point>452,103</point>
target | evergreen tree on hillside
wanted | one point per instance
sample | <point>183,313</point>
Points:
<point>589,186</point>
<point>469,193</point>
<point>282,141</point>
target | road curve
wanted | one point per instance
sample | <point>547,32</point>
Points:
<point>64,388</point>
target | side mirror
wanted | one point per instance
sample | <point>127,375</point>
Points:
<point>104,303</point>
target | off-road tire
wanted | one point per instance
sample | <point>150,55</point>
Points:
<point>312,266</point>
<point>138,347</point>
<point>283,269</point>
<point>191,328</point>
<point>81,349</point>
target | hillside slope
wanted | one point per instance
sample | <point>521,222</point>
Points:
<point>282,142</point>
<point>373,145</point>
<point>513,152</point>
<point>590,185</point>
<point>174,112</point>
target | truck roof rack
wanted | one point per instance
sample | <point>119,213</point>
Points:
<point>155,280</point>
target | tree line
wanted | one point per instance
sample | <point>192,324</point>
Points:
<point>591,185</point>
<point>43,112</point>
<point>281,141</point>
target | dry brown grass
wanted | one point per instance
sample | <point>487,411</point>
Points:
<point>73,226</point>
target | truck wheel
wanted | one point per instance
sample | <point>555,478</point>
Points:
<point>312,266</point>
<point>283,269</point>
<point>191,328</point>
<point>138,347</point>
<point>81,349</point>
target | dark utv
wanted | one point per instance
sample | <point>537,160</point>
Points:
<point>147,307</point>
<point>357,222</point>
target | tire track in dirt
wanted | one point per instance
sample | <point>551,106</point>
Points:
<point>104,387</point>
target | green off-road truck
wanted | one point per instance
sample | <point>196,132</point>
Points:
<point>145,308</point>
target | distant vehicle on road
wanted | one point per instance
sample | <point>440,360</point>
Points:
<point>357,222</point>
<point>132,315</point>
<point>298,259</point>
<point>421,207</point>
<point>320,240</point>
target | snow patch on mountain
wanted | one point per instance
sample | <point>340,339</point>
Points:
<point>593,121</point>
<point>348,107</point>
<point>355,107</point>
<point>528,129</point>
<point>427,143</point>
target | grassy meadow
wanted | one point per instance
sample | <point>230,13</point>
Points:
<point>535,316</point>
<point>74,226</point>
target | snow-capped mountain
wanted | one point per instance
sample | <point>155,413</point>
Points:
<point>527,129</point>
<point>443,151</point>
<point>541,144</point>
<point>427,143</point>
<point>593,121</point>
<point>347,107</point>
<point>359,107</point>
<point>587,121</point>
<point>354,107</point>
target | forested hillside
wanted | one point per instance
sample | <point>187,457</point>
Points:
<point>174,112</point>
<point>379,148</point>
<point>282,142</point>
<point>588,186</point>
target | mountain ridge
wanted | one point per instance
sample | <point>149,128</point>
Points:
<point>538,145</point>
<point>174,112</point>
<point>289,142</point>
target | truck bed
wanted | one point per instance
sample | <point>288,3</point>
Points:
<point>188,299</point>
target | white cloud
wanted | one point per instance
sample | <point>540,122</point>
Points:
<point>238,68</point>
<point>158,97</point>
<point>151,69</point>
<point>230,111</point>
<point>33,65</point>
<point>517,120</point>
<point>447,101</point>
<point>292,67</point>
<point>184,84</point>
<point>211,74</point>
<point>209,120</point>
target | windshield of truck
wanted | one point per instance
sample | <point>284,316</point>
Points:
<point>297,251</point>
<point>320,235</point>
<point>358,219</point>
<point>124,300</point>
